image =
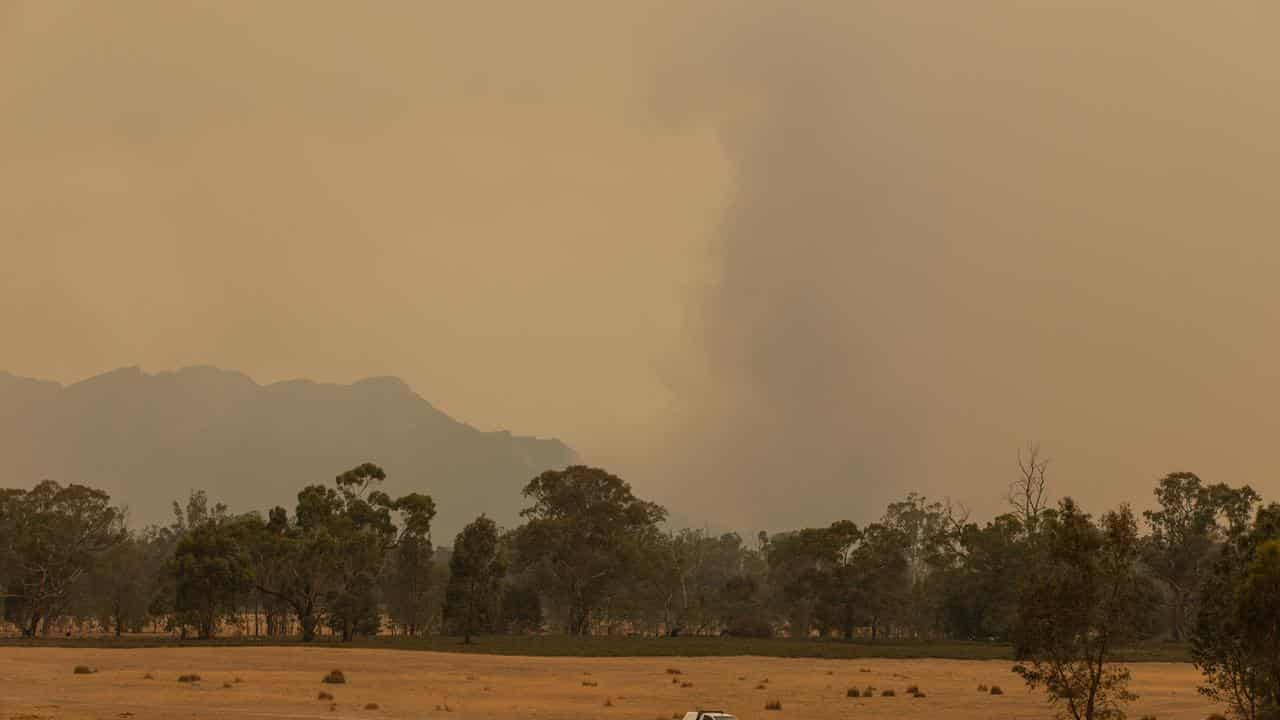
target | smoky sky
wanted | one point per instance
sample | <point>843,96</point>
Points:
<point>776,263</point>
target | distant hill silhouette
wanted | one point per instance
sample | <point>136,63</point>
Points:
<point>150,438</point>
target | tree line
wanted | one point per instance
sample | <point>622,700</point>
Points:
<point>1066,589</point>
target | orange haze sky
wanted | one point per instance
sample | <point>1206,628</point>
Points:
<point>773,262</point>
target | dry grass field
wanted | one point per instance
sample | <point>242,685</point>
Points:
<point>285,682</point>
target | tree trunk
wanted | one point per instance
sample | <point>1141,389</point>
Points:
<point>30,630</point>
<point>308,622</point>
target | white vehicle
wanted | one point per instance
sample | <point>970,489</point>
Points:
<point>708,715</point>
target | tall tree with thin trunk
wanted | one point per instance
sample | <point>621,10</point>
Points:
<point>476,569</point>
<point>1083,600</point>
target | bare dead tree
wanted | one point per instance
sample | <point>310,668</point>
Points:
<point>1027,493</point>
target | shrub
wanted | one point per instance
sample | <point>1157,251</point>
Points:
<point>149,676</point>
<point>852,692</point>
<point>1216,716</point>
<point>686,684</point>
<point>608,702</point>
<point>760,686</point>
<point>750,627</point>
<point>371,706</point>
<point>335,677</point>
<point>226,684</point>
<point>675,680</point>
<point>995,690</point>
<point>983,688</point>
<point>674,671</point>
<point>869,692</point>
<point>887,692</point>
<point>913,689</point>
<point>238,680</point>
<point>773,705</point>
<point>864,669</point>
<point>1147,717</point>
<point>589,683</point>
<point>324,696</point>
<point>919,695</point>
<point>191,678</point>
<point>84,670</point>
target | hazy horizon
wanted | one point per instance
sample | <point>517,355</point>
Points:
<point>780,264</point>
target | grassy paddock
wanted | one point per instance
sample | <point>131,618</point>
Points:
<point>566,646</point>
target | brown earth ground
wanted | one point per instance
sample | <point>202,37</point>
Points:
<point>38,684</point>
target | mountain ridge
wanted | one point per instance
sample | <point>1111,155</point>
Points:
<point>150,438</point>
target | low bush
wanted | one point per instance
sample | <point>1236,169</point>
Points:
<point>773,705</point>
<point>84,670</point>
<point>995,690</point>
<point>324,696</point>
<point>852,692</point>
<point>335,677</point>
<point>189,678</point>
